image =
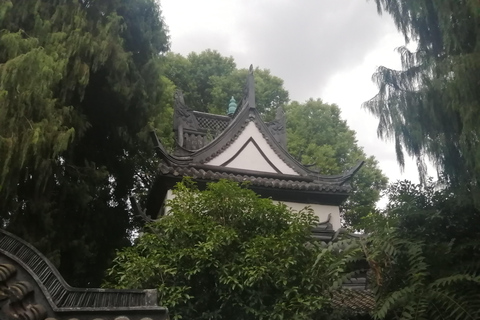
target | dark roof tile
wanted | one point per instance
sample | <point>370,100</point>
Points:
<point>268,182</point>
<point>357,301</point>
<point>212,122</point>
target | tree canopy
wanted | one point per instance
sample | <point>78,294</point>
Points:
<point>79,82</point>
<point>209,80</point>
<point>226,253</point>
<point>318,136</point>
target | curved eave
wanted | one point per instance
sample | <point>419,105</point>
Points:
<point>290,188</point>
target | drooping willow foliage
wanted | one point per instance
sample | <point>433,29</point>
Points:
<point>431,107</point>
<point>424,249</point>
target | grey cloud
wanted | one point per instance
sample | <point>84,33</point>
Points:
<point>197,43</point>
<point>305,41</point>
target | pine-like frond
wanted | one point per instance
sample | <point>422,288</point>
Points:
<point>411,287</point>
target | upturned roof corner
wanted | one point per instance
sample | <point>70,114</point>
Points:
<point>348,175</point>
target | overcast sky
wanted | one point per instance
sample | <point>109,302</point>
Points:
<point>324,49</point>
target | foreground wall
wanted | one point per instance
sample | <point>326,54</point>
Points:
<point>32,289</point>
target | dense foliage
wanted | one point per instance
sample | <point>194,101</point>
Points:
<point>79,82</point>
<point>431,106</point>
<point>225,253</point>
<point>423,253</point>
<point>426,251</point>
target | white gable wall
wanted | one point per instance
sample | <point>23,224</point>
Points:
<point>320,210</point>
<point>250,157</point>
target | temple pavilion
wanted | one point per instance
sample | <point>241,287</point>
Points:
<point>240,146</point>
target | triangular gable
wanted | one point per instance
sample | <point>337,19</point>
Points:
<point>251,151</point>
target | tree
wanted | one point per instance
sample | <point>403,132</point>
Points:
<point>423,253</point>
<point>225,253</point>
<point>209,80</point>
<point>193,73</point>
<point>427,257</point>
<point>318,136</point>
<point>79,82</point>
<point>431,106</point>
<point>269,91</point>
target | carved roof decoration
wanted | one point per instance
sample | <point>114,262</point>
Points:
<point>194,129</point>
<point>32,289</point>
<point>278,128</point>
